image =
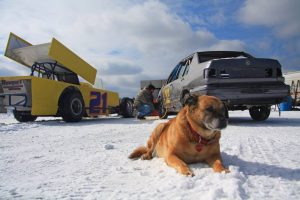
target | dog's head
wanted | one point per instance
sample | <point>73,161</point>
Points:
<point>207,111</point>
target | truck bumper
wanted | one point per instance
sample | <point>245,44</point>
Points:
<point>246,95</point>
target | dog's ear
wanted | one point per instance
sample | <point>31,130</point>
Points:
<point>192,100</point>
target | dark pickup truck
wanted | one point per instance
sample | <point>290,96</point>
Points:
<point>240,80</point>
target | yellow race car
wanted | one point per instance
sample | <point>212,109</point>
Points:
<point>53,87</point>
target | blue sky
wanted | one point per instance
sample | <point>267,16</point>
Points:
<point>132,40</point>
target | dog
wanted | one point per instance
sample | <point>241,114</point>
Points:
<point>192,136</point>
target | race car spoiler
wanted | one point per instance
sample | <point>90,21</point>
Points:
<point>27,54</point>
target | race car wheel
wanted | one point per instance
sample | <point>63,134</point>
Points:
<point>126,107</point>
<point>260,113</point>
<point>23,116</point>
<point>72,107</point>
<point>163,113</point>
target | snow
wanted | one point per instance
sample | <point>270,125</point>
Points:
<point>51,159</point>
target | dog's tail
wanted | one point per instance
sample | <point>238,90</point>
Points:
<point>146,152</point>
<point>138,152</point>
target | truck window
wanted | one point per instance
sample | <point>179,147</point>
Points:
<point>174,74</point>
<point>187,66</point>
<point>186,70</point>
<point>182,70</point>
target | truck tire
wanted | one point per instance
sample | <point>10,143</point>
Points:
<point>22,116</point>
<point>260,113</point>
<point>72,107</point>
<point>126,107</point>
<point>226,112</point>
<point>185,96</point>
<point>163,112</point>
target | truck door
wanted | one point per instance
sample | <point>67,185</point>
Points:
<point>166,92</point>
<point>172,91</point>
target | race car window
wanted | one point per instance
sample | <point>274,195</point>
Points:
<point>68,78</point>
<point>54,71</point>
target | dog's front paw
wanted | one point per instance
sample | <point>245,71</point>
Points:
<point>146,156</point>
<point>187,172</point>
<point>226,171</point>
<point>222,170</point>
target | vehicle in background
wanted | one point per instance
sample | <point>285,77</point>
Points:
<point>240,80</point>
<point>293,80</point>
<point>53,87</point>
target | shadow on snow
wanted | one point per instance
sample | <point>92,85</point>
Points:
<point>250,168</point>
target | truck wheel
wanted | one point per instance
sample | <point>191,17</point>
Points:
<point>126,107</point>
<point>24,116</point>
<point>184,98</point>
<point>260,113</point>
<point>72,107</point>
<point>226,112</point>
<point>163,113</point>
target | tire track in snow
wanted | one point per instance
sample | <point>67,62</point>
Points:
<point>264,153</point>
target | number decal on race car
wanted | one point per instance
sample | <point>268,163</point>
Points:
<point>98,102</point>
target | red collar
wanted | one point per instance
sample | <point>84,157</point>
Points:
<point>201,141</point>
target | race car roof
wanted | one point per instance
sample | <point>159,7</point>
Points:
<point>27,54</point>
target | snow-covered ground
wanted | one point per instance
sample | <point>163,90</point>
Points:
<point>51,159</point>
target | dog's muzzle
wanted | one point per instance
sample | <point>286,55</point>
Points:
<point>217,123</point>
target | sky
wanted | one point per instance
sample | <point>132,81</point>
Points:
<point>132,40</point>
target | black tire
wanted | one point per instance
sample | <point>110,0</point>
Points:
<point>24,116</point>
<point>72,107</point>
<point>226,112</point>
<point>184,98</point>
<point>163,112</point>
<point>126,107</point>
<point>260,113</point>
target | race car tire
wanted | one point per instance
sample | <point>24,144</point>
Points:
<point>126,107</point>
<point>260,113</point>
<point>23,116</point>
<point>72,107</point>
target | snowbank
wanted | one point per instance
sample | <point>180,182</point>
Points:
<point>51,159</point>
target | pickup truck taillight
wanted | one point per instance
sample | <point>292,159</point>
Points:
<point>210,73</point>
<point>279,72</point>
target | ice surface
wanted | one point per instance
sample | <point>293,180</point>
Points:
<point>51,159</point>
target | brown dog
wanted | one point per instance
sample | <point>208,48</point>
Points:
<point>192,136</point>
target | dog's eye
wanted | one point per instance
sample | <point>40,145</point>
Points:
<point>209,109</point>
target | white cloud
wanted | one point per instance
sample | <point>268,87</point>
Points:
<point>282,16</point>
<point>11,68</point>
<point>146,35</point>
<point>120,68</point>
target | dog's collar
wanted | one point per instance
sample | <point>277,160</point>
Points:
<point>200,140</point>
